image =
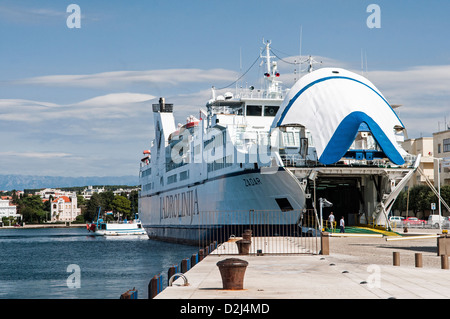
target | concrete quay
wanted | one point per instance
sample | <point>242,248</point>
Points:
<point>356,268</point>
<point>48,225</point>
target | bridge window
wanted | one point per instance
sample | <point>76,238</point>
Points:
<point>254,110</point>
<point>270,110</point>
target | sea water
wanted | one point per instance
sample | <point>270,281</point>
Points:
<point>71,263</point>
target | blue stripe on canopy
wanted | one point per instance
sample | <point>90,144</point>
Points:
<point>345,134</point>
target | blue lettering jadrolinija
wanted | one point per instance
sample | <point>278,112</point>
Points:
<point>179,205</point>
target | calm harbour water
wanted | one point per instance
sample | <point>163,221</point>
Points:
<point>34,263</point>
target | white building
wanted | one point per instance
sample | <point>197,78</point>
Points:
<point>442,151</point>
<point>7,210</point>
<point>46,193</point>
<point>87,192</point>
<point>424,147</point>
<point>65,208</point>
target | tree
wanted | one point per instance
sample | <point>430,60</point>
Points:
<point>122,205</point>
<point>32,209</point>
<point>92,207</point>
<point>134,199</point>
<point>420,198</point>
<point>106,198</point>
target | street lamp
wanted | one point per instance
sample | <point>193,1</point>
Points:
<point>439,189</point>
<point>323,203</point>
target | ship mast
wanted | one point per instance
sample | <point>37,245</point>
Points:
<point>272,88</point>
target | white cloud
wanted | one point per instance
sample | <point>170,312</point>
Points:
<point>30,14</point>
<point>42,155</point>
<point>414,82</point>
<point>423,92</point>
<point>120,78</point>
<point>115,99</point>
<point>115,105</point>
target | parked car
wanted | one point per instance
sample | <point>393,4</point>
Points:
<point>413,221</point>
<point>396,221</point>
<point>446,222</point>
<point>434,220</point>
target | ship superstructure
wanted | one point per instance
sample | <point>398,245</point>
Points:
<point>262,150</point>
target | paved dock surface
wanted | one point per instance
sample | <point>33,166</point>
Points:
<point>357,268</point>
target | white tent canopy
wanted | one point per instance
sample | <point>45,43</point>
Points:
<point>332,103</point>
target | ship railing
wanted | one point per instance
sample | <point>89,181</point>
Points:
<point>296,160</point>
<point>248,93</point>
<point>272,232</point>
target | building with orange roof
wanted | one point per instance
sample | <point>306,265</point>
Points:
<point>65,208</point>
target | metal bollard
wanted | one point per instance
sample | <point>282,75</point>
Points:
<point>193,260</point>
<point>154,286</point>
<point>325,244</point>
<point>396,256</point>
<point>443,245</point>
<point>247,235</point>
<point>418,259</point>
<point>185,265</point>
<point>243,246</point>
<point>444,262</point>
<point>130,294</point>
<point>232,271</point>
<point>172,271</point>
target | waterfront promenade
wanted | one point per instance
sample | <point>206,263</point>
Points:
<point>49,225</point>
<point>356,268</point>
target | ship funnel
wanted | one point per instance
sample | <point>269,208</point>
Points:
<point>162,106</point>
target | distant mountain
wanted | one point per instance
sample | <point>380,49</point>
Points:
<point>21,182</point>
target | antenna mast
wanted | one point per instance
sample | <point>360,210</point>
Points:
<point>271,71</point>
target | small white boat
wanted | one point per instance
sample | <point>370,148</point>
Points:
<point>114,228</point>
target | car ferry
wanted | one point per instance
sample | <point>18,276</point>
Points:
<point>272,153</point>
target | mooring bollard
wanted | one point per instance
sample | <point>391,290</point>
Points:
<point>247,235</point>
<point>243,246</point>
<point>443,245</point>
<point>200,255</point>
<point>212,246</point>
<point>444,262</point>
<point>185,265</point>
<point>154,286</point>
<point>325,244</point>
<point>232,271</point>
<point>418,259</point>
<point>396,256</point>
<point>130,294</point>
<point>172,271</point>
<point>193,260</point>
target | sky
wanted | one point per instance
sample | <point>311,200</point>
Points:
<point>77,101</point>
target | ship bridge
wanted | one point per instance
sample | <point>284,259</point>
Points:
<point>349,151</point>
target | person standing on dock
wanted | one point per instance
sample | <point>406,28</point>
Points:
<point>331,221</point>
<point>342,224</point>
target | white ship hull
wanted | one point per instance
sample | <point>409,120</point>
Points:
<point>116,229</point>
<point>177,214</point>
